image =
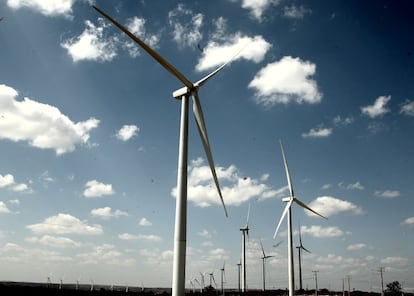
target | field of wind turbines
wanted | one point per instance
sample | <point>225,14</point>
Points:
<point>241,147</point>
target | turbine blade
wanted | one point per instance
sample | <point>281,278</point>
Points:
<point>287,172</point>
<point>149,50</point>
<point>277,245</point>
<point>198,114</point>
<point>283,216</point>
<point>261,245</point>
<point>248,215</point>
<point>303,248</point>
<point>300,237</point>
<point>207,77</point>
<point>303,205</point>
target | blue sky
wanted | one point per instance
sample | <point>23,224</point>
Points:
<point>89,139</point>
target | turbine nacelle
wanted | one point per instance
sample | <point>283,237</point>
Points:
<point>177,94</point>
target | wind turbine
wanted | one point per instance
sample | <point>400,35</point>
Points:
<point>289,200</point>
<point>264,264</point>
<point>238,274</point>
<point>189,90</point>
<point>300,248</point>
<point>223,275</point>
<point>244,230</point>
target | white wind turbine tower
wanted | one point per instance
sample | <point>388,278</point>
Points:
<point>300,248</point>
<point>264,265</point>
<point>288,211</point>
<point>222,278</point>
<point>184,93</point>
<point>244,230</point>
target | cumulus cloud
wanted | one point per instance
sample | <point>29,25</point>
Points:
<point>97,189</point>
<point>107,213</point>
<point>318,132</point>
<point>407,108</point>
<point>64,224</point>
<point>258,7</point>
<point>186,26</point>
<point>329,206</point>
<point>127,132</point>
<point>236,189</point>
<point>91,44</point>
<point>389,194</point>
<point>54,241</point>
<point>353,186</point>
<point>3,208</point>
<point>408,222</point>
<point>41,125</point>
<point>144,222</point>
<point>379,107</point>
<point>6,180</point>
<point>142,237</point>
<point>339,121</point>
<point>285,81</point>
<point>246,47</point>
<point>48,8</point>
<point>295,12</point>
<point>136,26</point>
<point>319,231</point>
<point>356,247</point>
<point>399,261</point>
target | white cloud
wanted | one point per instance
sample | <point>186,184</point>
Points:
<point>91,44</point>
<point>319,231</point>
<point>142,237</point>
<point>356,247</point>
<point>186,26</point>
<point>319,132</point>
<point>235,189</point>
<point>355,186</point>
<point>63,224</point>
<point>407,108</point>
<point>388,193</point>
<point>204,233</point>
<point>285,81</point>
<point>339,121</point>
<point>378,108</point>
<point>48,8</point>
<point>97,189</point>
<point>106,213</point>
<point>127,132</point>
<point>326,186</point>
<point>136,26</point>
<point>21,188</point>
<point>41,125</point>
<point>53,241</point>
<point>144,222</point>
<point>3,208</point>
<point>408,222</point>
<point>295,12</point>
<point>257,7</point>
<point>6,180</point>
<point>218,52</point>
<point>329,206</point>
<point>400,261</point>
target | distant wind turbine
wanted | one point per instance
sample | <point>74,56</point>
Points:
<point>264,265</point>
<point>189,90</point>
<point>223,275</point>
<point>244,230</point>
<point>289,200</point>
<point>300,248</point>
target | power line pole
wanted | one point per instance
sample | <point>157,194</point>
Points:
<point>381,271</point>
<point>316,281</point>
<point>349,284</point>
